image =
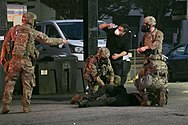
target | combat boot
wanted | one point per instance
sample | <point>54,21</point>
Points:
<point>145,101</point>
<point>162,99</point>
<point>26,109</point>
<point>166,95</point>
<point>76,99</point>
<point>6,109</point>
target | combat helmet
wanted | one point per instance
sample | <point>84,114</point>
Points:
<point>103,52</point>
<point>150,20</point>
<point>29,18</point>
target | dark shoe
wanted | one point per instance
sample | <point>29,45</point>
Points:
<point>6,109</point>
<point>76,99</point>
<point>83,103</point>
<point>145,101</point>
<point>26,109</point>
<point>166,95</point>
<point>162,100</point>
<point>138,96</point>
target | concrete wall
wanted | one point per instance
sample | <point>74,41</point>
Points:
<point>43,12</point>
<point>184,31</point>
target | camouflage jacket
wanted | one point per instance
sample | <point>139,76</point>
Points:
<point>154,40</point>
<point>20,41</point>
<point>93,70</point>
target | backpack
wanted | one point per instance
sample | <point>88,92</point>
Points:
<point>20,40</point>
<point>161,68</point>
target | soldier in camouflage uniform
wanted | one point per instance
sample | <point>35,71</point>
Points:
<point>153,76</point>
<point>98,71</point>
<point>20,44</point>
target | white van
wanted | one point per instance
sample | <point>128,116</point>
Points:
<point>72,30</point>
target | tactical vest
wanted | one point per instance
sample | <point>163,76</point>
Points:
<point>20,41</point>
<point>161,69</point>
<point>24,45</point>
<point>149,39</point>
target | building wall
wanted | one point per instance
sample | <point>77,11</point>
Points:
<point>43,12</point>
<point>15,12</point>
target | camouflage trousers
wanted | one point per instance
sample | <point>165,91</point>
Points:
<point>19,67</point>
<point>152,77</point>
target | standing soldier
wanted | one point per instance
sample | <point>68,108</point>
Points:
<point>153,76</point>
<point>20,44</point>
<point>98,71</point>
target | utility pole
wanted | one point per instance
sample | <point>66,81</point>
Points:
<point>3,29</point>
<point>90,27</point>
<point>3,15</point>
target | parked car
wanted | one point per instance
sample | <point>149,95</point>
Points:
<point>72,30</point>
<point>178,63</point>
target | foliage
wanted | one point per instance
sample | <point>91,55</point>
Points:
<point>114,7</point>
<point>74,8</point>
<point>156,8</point>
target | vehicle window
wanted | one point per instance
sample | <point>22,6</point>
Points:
<point>102,34</point>
<point>38,28</point>
<point>51,31</point>
<point>186,50</point>
<point>179,50</point>
<point>74,30</point>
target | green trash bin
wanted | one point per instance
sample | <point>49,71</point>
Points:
<point>57,76</point>
<point>2,81</point>
<point>45,78</point>
<point>66,71</point>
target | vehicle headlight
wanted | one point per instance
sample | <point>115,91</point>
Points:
<point>76,49</point>
<point>79,49</point>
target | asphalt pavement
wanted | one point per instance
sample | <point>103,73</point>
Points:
<point>57,110</point>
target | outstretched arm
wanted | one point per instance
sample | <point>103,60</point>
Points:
<point>43,38</point>
<point>105,25</point>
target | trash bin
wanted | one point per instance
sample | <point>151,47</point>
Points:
<point>2,81</point>
<point>45,78</point>
<point>66,70</point>
<point>57,76</point>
